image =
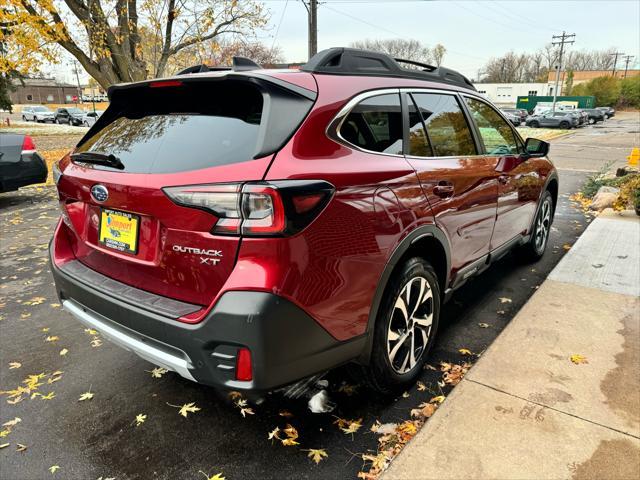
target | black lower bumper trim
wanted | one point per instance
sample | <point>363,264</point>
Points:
<point>286,344</point>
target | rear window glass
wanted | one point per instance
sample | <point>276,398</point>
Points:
<point>172,129</point>
<point>375,124</point>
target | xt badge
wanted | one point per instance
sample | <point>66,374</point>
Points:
<point>207,257</point>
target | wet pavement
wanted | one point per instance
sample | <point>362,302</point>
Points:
<point>99,437</point>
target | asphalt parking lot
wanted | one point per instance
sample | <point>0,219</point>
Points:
<point>99,437</point>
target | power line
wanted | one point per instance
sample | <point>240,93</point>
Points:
<point>560,40</point>
<point>273,44</point>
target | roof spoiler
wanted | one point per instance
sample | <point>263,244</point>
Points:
<point>353,61</point>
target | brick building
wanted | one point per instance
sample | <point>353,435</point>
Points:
<point>42,91</point>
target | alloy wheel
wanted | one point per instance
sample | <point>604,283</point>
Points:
<point>543,224</point>
<point>410,325</point>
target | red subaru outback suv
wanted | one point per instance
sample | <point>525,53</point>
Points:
<point>250,228</point>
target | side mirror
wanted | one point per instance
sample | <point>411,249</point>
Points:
<point>536,148</point>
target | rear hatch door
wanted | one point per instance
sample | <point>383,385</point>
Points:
<point>189,131</point>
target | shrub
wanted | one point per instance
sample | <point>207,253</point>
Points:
<point>630,92</point>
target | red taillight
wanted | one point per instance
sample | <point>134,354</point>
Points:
<point>262,211</point>
<point>166,83</point>
<point>243,365</point>
<point>257,209</point>
<point>28,146</point>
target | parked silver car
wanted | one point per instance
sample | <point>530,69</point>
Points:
<point>90,118</point>
<point>37,114</point>
<point>564,120</point>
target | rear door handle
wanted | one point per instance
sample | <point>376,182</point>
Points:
<point>443,189</point>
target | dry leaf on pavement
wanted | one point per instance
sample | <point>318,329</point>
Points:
<point>140,418</point>
<point>12,423</point>
<point>578,359</point>
<point>14,365</point>
<point>317,454</point>
<point>157,372</point>
<point>186,409</point>
<point>292,436</point>
<point>85,396</point>
<point>217,476</point>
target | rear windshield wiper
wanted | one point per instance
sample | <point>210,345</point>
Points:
<point>110,160</point>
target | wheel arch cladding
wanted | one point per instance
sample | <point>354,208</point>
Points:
<point>427,242</point>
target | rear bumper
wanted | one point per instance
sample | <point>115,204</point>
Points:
<point>286,344</point>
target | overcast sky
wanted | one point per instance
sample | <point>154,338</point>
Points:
<point>472,31</point>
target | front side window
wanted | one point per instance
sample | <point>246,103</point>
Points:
<point>448,134</point>
<point>497,135</point>
<point>375,124</point>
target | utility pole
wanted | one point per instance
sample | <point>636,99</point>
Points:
<point>560,40</point>
<point>627,59</point>
<point>615,61</point>
<point>312,11</point>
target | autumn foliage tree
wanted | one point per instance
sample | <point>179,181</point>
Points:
<point>112,38</point>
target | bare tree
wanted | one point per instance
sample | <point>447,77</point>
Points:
<point>437,53</point>
<point>258,52</point>
<point>535,67</point>
<point>398,48</point>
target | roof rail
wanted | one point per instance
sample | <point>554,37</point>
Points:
<point>239,64</point>
<point>353,61</point>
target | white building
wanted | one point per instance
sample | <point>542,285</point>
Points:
<point>506,94</point>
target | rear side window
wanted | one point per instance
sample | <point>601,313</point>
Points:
<point>193,126</point>
<point>447,134</point>
<point>497,135</point>
<point>375,124</point>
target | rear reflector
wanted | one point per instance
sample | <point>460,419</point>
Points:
<point>243,365</point>
<point>28,146</point>
<point>166,83</point>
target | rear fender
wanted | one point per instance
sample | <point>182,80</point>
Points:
<point>396,259</point>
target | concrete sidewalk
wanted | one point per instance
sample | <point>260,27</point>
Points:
<point>525,411</point>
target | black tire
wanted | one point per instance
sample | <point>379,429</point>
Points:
<point>387,372</point>
<point>592,121</point>
<point>534,124</point>
<point>24,119</point>
<point>565,125</point>
<point>534,249</point>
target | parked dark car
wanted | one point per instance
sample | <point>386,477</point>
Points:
<point>271,225</point>
<point>20,164</point>
<point>565,120</point>
<point>521,112</point>
<point>582,116</point>
<point>595,115</point>
<point>69,115</point>
<point>608,111</point>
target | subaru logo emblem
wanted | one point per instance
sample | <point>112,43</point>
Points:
<point>99,193</point>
